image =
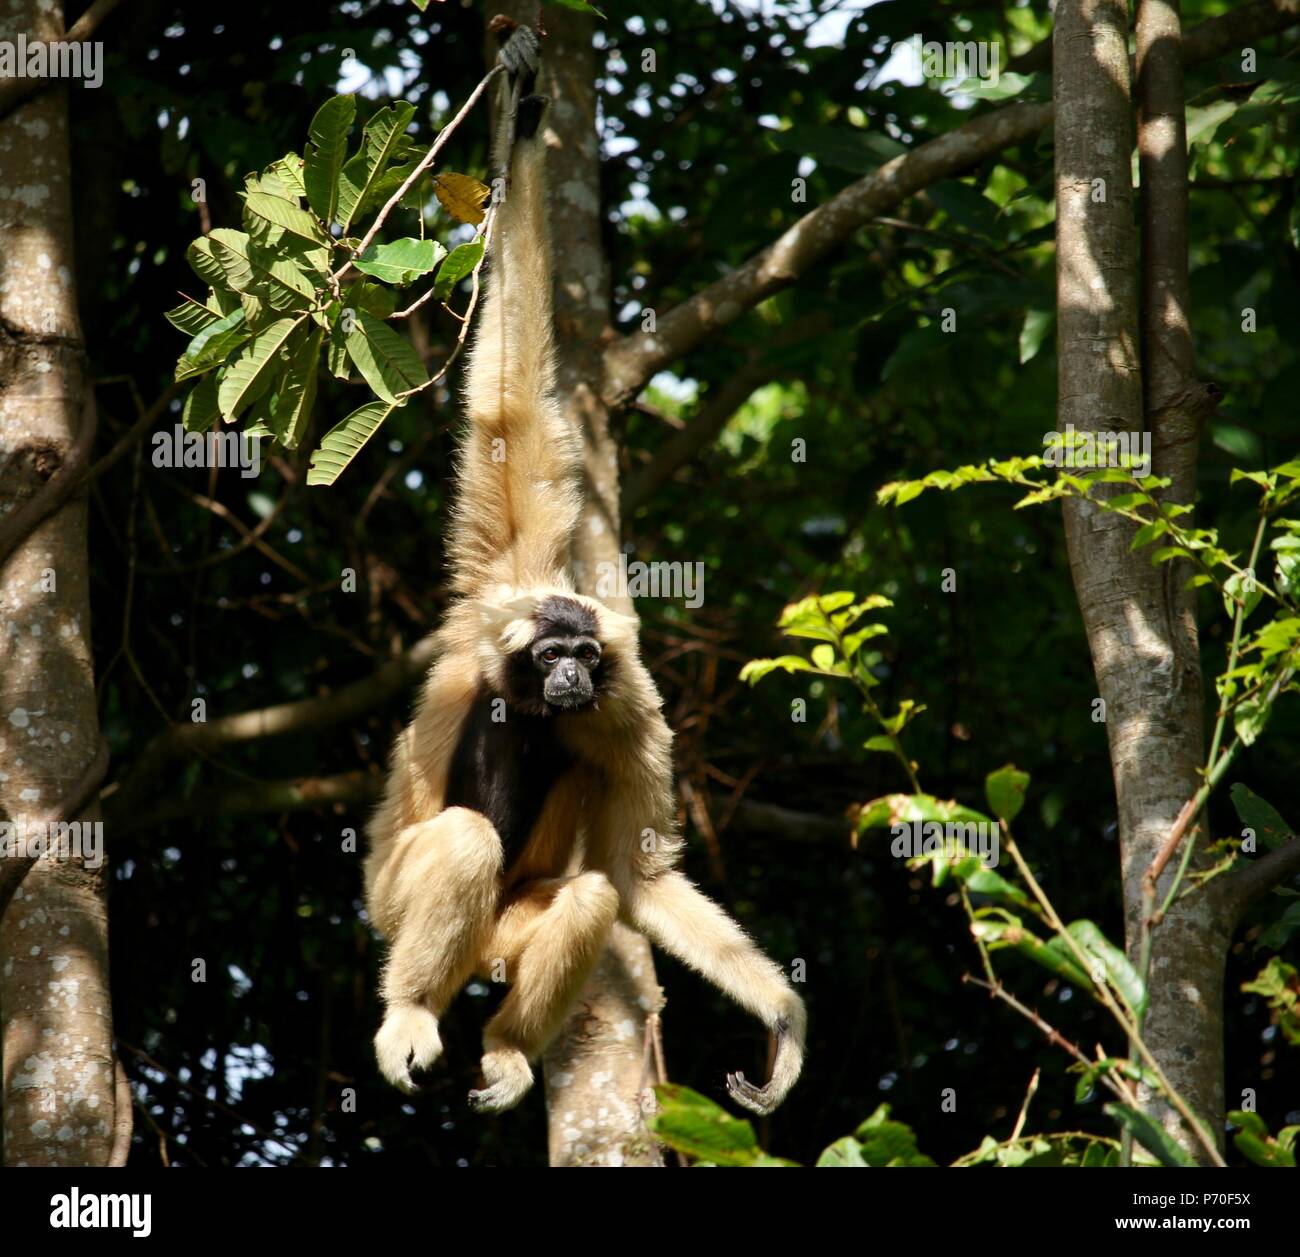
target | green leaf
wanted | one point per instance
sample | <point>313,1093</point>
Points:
<point>213,345</point>
<point>293,403</point>
<point>697,1127</point>
<point>285,215</point>
<point>381,141</point>
<point>1034,331</point>
<point>250,268</point>
<point>1054,956</point>
<point>460,262</point>
<point>1260,815</point>
<point>204,265</point>
<point>190,317</point>
<point>386,360</point>
<point>255,368</point>
<point>343,442</point>
<point>756,669</point>
<point>401,261</point>
<point>201,411</point>
<point>899,809</point>
<point>1118,971</point>
<point>1005,791</point>
<point>888,1143</point>
<point>579,6</point>
<point>289,171</point>
<point>1152,1136</point>
<point>843,1154</point>
<point>324,157</point>
<point>844,148</point>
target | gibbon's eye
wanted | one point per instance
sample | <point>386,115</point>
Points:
<point>588,655</point>
<point>550,655</point>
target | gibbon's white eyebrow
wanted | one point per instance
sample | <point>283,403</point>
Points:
<point>507,770</point>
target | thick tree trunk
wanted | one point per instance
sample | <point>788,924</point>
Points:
<point>59,1092</point>
<point>596,1069</point>
<point>1139,625</point>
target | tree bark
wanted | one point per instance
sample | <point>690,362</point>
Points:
<point>1139,628</point>
<point>59,1089</point>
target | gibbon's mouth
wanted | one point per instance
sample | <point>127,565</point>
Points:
<point>570,702</point>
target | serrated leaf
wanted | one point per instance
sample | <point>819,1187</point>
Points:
<point>386,360</point>
<point>343,442</point>
<point>255,368</point>
<point>380,141</point>
<point>460,262</point>
<point>756,669</point>
<point>286,215</point>
<point>323,161</point>
<point>462,196</point>
<point>400,261</point>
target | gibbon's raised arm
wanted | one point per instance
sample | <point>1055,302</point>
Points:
<point>519,497</point>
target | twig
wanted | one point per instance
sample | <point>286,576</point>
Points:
<point>443,136</point>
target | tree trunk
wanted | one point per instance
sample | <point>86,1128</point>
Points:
<point>59,1092</point>
<point>596,1070</point>
<point>1139,624</point>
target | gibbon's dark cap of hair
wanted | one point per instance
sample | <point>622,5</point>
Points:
<point>559,616</point>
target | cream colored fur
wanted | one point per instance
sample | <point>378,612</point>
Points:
<point>605,843</point>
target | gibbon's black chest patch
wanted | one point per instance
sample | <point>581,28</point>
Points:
<point>505,769</point>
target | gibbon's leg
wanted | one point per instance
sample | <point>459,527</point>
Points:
<point>550,938</point>
<point>443,890</point>
<point>686,924</point>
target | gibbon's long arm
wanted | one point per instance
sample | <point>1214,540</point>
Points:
<point>519,499</point>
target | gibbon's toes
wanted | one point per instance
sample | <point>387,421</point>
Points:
<point>407,1040</point>
<point>760,1100</point>
<point>507,1077</point>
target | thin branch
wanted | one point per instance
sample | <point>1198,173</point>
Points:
<point>351,702</point>
<point>443,136</point>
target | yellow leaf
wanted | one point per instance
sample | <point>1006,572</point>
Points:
<point>462,196</point>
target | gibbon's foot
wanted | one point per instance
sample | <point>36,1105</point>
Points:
<point>506,1076</point>
<point>407,1040</point>
<point>521,53</point>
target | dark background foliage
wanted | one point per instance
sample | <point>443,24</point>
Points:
<point>249,1066</point>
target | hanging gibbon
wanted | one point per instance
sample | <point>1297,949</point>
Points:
<point>529,803</point>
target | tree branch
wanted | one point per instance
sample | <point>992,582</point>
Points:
<point>631,360</point>
<point>1258,877</point>
<point>305,715</point>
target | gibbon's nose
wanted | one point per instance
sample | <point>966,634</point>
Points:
<point>569,672</point>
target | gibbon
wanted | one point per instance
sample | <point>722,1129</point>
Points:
<point>529,803</point>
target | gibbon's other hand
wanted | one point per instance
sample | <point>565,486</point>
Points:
<point>786,1065</point>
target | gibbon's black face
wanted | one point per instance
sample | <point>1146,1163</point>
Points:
<point>561,670</point>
